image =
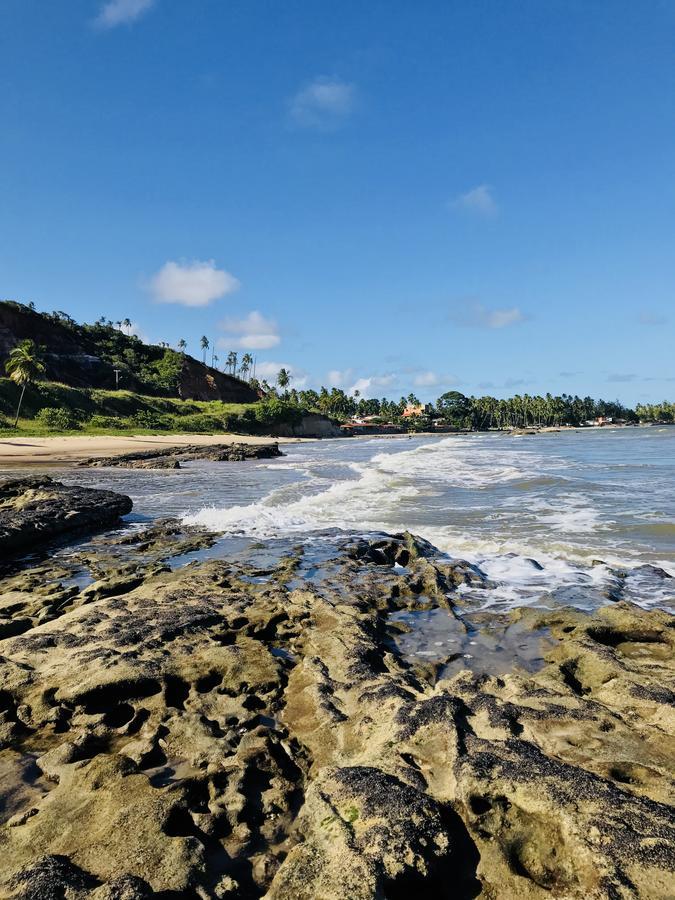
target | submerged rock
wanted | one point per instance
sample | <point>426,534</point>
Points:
<point>210,732</point>
<point>35,510</point>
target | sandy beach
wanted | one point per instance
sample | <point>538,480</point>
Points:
<point>60,451</point>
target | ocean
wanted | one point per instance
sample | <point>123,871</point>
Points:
<point>559,518</point>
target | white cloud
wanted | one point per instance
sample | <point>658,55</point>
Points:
<point>479,201</point>
<point>338,378</point>
<point>122,12</point>
<point>269,371</point>
<point>137,330</point>
<point>426,379</point>
<point>324,104</point>
<point>476,315</point>
<point>253,332</point>
<point>192,284</point>
<point>366,386</point>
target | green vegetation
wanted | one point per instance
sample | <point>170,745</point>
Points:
<point>51,408</point>
<point>23,367</point>
<point>656,412</point>
<point>455,410</point>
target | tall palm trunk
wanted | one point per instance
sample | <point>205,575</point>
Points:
<point>18,409</point>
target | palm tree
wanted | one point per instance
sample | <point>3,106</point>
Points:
<point>231,361</point>
<point>204,344</point>
<point>182,345</point>
<point>24,366</point>
<point>246,363</point>
<point>283,378</point>
<point>127,325</point>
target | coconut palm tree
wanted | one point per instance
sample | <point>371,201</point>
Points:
<point>284,378</point>
<point>231,361</point>
<point>24,366</point>
<point>127,325</point>
<point>246,363</point>
<point>182,345</point>
<point>204,344</point>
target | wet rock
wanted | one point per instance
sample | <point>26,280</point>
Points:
<point>200,733</point>
<point>171,457</point>
<point>35,510</point>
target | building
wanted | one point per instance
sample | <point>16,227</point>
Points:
<point>421,410</point>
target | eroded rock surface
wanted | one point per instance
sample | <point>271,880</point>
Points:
<point>238,731</point>
<point>35,510</point>
<point>171,457</point>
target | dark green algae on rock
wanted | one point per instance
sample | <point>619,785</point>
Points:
<point>238,729</point>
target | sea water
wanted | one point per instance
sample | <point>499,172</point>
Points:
<point>569,517</point>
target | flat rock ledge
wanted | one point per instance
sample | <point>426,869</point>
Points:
<point>171,457</point>
<point>231,731</point>
<point>37,509</point>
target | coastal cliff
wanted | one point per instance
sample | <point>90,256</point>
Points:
<point>86,356</point>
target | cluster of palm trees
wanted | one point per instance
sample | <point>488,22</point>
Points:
<point>243,368</point>
<point>120,324</point>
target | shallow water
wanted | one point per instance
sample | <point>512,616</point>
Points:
<point>532,511</point>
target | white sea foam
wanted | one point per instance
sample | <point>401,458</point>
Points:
<point>484,499</point>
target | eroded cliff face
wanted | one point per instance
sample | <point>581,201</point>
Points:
<point>199,382</point>
<point>252,729</point>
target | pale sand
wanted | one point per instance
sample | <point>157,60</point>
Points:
<point>61,451</point>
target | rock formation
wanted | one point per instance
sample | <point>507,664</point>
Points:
<point>171,457</point>
<point>37,509</point>
<point>248,729</point>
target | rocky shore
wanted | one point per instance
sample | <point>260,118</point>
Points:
<point>38,509</point>
<point>254,728</point>
<point>172,457</point>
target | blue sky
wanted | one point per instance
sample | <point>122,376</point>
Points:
<point>391,195</point>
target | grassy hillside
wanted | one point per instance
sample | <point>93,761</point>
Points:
<point>52,408</point>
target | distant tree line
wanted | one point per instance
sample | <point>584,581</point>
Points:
<point>479,413</point>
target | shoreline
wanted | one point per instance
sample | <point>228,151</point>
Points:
<point>62,451</point>
<point>68,450</point>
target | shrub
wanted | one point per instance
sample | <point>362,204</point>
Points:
<point>98,421</point>
<point>232,422</point>
<point>56,418</point>
<point>146,419</point>
<point>199,422</point>
<point>274,411</point>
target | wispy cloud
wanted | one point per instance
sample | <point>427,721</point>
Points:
<point>646,317</point>
<point>253,332</point>
<point>479,201</point>
<point>324,104</point>
<point>473,314</point>
<point>622,376</point>
<point>122,12</point>
<point>193,283</point>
